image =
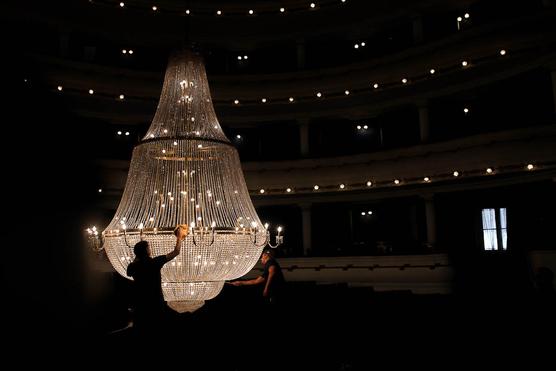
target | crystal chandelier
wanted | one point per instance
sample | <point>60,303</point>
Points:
<point>185,171</point>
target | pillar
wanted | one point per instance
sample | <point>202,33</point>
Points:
<point>430,220</point>
<point>304,137</point>
<point>306,228</point>
<point>424,125</point>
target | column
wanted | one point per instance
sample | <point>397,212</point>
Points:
<point>417,29</point>
<point>303,137</point>
<point>300,51</point>
<point>306,228</point>
<point>424,126</point>
<point>63,39</point>
<point>553,75</point>
<point>430,220</point>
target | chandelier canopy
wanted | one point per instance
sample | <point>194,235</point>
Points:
<point>185,171</point>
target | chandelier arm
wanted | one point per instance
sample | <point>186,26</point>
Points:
<point>213,233</point>
<point>266,240</point>
<point>279,241</point>
<point>125,240</point>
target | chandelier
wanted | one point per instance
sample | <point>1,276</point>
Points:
<point>185,171</point>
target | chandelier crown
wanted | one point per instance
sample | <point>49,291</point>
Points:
<point>185,108</point>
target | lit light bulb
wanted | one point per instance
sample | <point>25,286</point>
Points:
<point>199,146</point>
<point>459,19</point>
<point>291,99</point>
<point>261,191</point>
<point>530,167</point>
<point>365,127</point>
<point>502,52</point>
<point>466,16</point>
<point>466,110</point>
<point>175,143</point>
<point>218,12</point>
<point>122,97</point>
<point>239,57</point>
<point>369,183</point>
<point>404,80</point>
<point>363,213</point>
<point>375,86</point>
<point>100,190</point>
<point>313,5</point>
<point>288,190</point>
<point>163,151</point>
<point>456,173</point>
<point>141,226</point>
<point>316,187</point>
<point>358,127</point>
<point>238,136</point>
<point>346,92</point>
<point>254,225</point>
<point>187,11</point>
<point>151,219</point>
<point>356,46</point>
<point>266,225</point>
<point>60,87</point>
<point>319,95</point>
<point>251,11</point>
<point>236,101</point>
<point>432,71</point>
<point>396,181</point>
<point>282,10</point>
<point>152,135</point>
<point>127,133</point>
<point>342,186</point>
<point>122,4</point>
<point>489,170</point>
<point>279,229</point>
<point>91,91</point>
<point>154,8</point>
<point>119,133</point>
<point>213,224</point>
<point>263,100</point>
<point>130,51</point>
<point>464,63</point>
<point>363,43</point>
<point>426,179</point>
<point>165,131</point>
<point>369,213</point>
<point>217,202</point>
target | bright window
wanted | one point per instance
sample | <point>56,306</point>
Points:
<point>495,231</point>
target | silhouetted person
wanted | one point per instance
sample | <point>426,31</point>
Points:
<point>151,311</point>
<point>546,294</point>
<point>272,278</point>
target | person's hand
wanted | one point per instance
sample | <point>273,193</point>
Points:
<point>181,232</point>
<point>234,283</point>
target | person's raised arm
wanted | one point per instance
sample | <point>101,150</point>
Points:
<point>171,255</point>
